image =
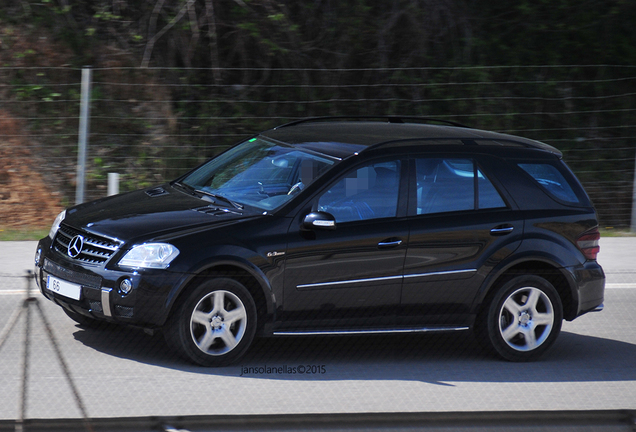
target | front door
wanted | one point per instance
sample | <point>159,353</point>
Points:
<point>350,277</point>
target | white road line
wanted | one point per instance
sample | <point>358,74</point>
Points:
<point>18,292</point>
<point>631,285</point>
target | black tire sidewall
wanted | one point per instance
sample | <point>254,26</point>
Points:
<point>177,329</point>
<point>491,326</point>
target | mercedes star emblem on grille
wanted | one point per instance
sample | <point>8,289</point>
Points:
<point>75,246</point>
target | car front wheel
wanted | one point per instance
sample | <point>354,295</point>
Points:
<point>522,320</point>
<point>215,324</point>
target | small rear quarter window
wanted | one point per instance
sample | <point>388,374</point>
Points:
<point>551,180</point>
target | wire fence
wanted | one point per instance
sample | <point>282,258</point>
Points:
<point>150,125</point>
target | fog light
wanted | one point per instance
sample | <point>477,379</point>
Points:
<point>125,286</point>
<point>38,256</point>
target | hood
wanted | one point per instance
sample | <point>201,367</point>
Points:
<point>149,213</point>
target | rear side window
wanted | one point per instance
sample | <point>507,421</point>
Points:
<point>447,185</point>
<point>551,180</point>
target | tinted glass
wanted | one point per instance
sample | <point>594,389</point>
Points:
<point>550,179</point>
<point>488,195</point>
<point>446,185</point>
<point>259,173</point>
<point>369,192</point>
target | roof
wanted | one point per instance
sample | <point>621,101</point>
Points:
<point>344,138</point>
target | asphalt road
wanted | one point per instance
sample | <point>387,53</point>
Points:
<point>126,372</point>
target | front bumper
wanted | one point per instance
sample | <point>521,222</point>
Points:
<point>146,305</point>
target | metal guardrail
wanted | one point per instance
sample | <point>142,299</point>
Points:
<point>601,421</point>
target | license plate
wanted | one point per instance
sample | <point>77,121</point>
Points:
<point>64,288</point>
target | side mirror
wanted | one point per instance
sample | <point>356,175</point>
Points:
<point>319,220</point>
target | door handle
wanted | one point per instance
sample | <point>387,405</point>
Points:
<point>502,230</point>
<point>389,243</point>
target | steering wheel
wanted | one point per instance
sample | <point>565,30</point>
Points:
<point>296,188</point>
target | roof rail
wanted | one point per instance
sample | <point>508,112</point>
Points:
<point>390,119</point>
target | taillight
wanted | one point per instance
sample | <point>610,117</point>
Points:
<point>588,243</point>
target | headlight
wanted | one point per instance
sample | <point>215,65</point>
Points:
<point>150,255</point>
<point>56,224</point>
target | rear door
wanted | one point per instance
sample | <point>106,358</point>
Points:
<point>461,225</point>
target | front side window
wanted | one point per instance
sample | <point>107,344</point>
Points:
<point>370,192</point>
<point>448,185</point>
<point>259,173</point>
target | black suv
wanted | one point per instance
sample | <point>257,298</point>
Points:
<point>326,226</point>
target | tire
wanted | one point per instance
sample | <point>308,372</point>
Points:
<point>215,324</point>
<point>522,320</point>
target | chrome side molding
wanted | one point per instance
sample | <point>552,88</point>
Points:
<point>368,331</point>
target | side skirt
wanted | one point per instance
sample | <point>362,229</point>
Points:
<point>367,331</point>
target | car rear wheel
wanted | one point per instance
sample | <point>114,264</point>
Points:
<point>215,324</point>
<point>522,320</point>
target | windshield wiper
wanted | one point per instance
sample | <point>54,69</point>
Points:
<point>220,197</point>
<point>194,191</point>
<point>187,187</point>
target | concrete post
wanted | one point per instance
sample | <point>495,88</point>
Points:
<point>83,135</point>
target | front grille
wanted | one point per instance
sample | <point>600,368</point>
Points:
<point>83,279</point>
<point>96,306</point>
<point>95,250</point>
<point>123,311</point>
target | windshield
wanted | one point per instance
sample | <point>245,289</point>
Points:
<point>258,173</point>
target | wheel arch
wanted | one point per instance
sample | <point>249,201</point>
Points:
<point>562,281</point>
<point>251,277</point>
